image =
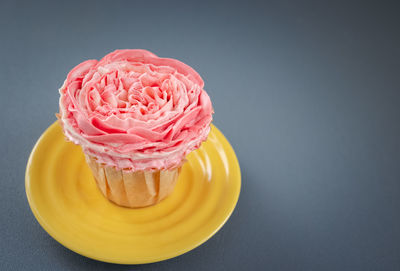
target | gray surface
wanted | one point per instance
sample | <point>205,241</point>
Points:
<point>307,93</point>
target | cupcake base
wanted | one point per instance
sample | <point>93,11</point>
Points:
<point>133,188</point>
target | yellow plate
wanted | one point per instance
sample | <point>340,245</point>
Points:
<point>67,203</point>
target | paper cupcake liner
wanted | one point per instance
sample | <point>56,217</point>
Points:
<point>133,188</point>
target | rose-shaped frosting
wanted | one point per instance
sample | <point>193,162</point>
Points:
<point>134,110</point>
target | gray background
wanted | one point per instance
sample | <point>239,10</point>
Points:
<point>306,92</point>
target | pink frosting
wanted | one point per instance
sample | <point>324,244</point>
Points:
<point>135,110</point>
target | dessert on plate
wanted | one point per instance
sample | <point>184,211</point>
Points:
<point>136,116</point>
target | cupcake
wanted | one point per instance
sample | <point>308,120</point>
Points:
<point>136,116</point>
